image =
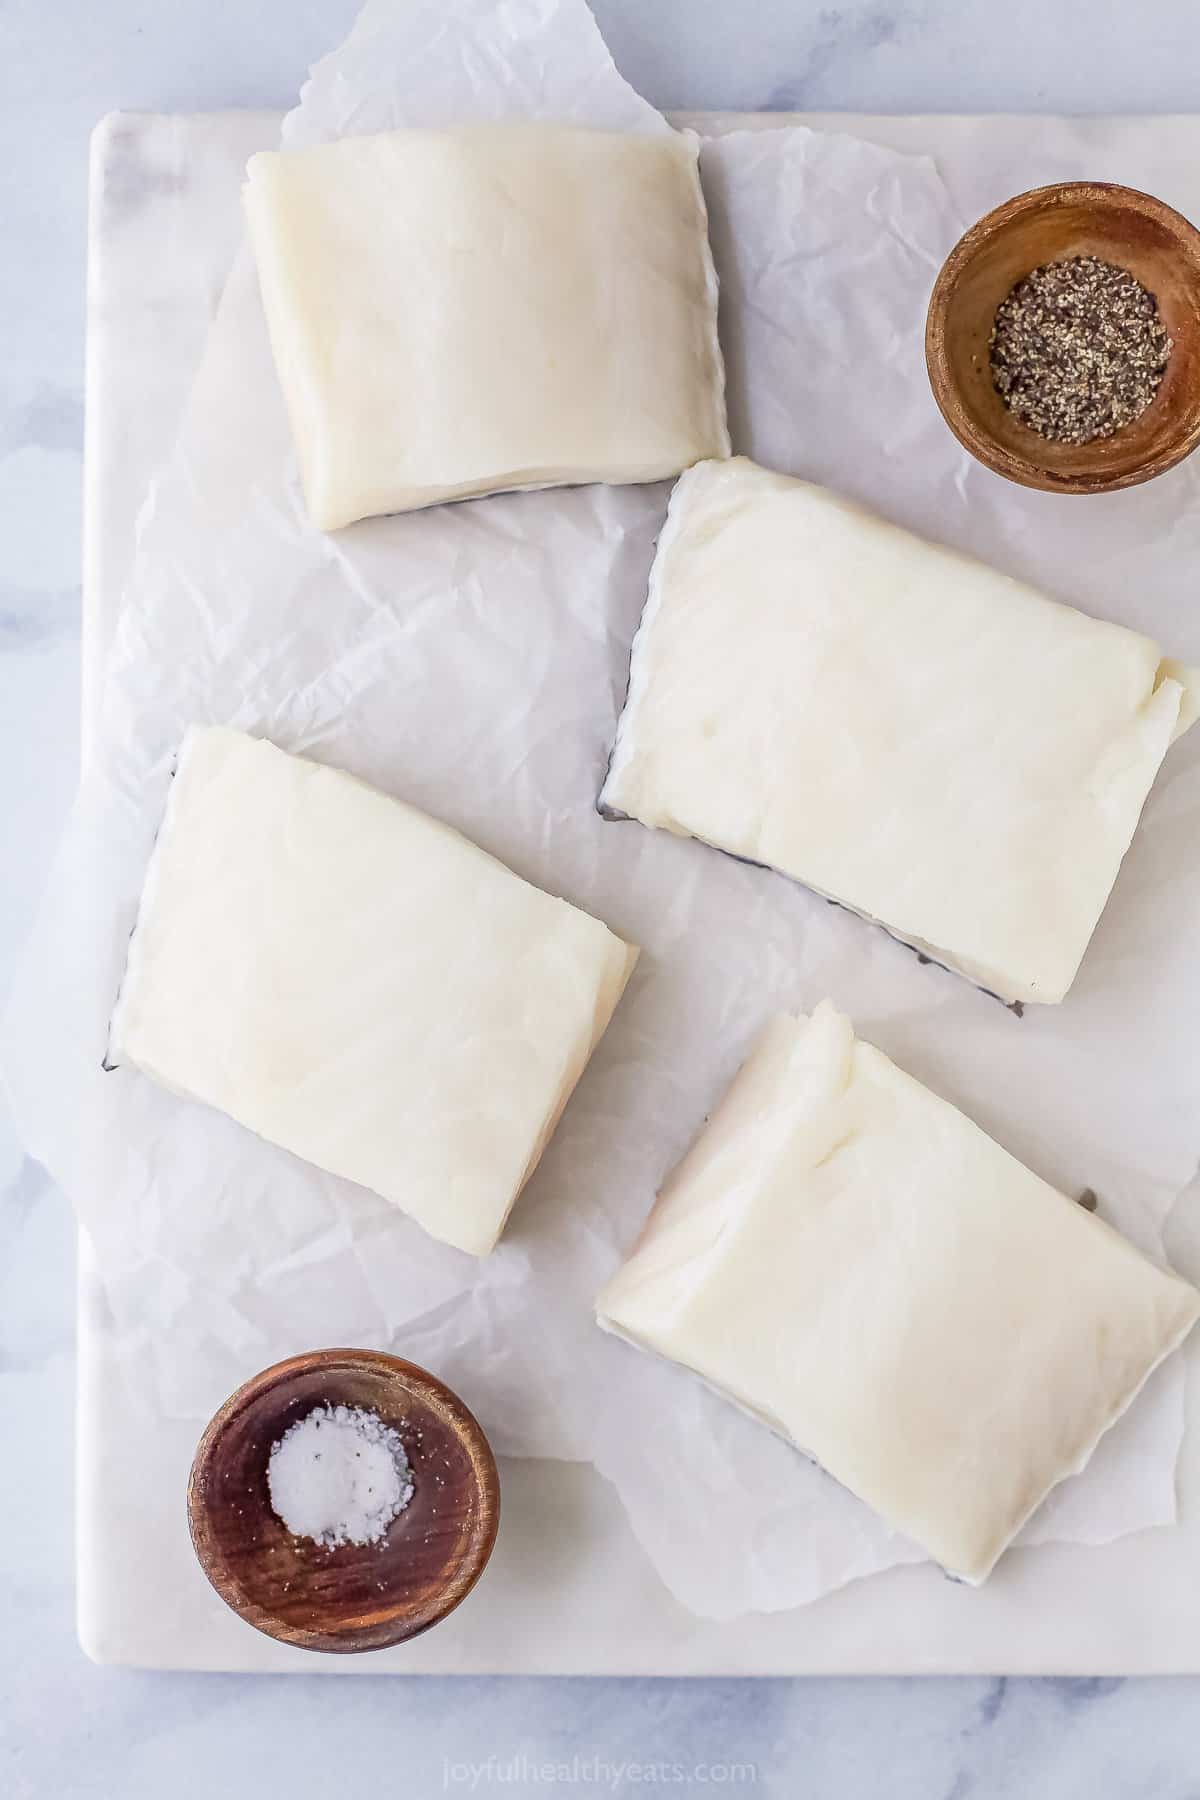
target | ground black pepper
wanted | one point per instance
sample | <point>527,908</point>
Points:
<point>1078,349</point>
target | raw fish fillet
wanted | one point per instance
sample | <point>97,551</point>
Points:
<point>937,746</point>
<point>503,306</point>
<point>850,1259</point>
<point>355,981</point>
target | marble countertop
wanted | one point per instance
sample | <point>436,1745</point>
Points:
<point>67,1728</point>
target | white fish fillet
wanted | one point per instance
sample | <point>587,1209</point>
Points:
<point>853,1261</point>
<point>507,306</point>
<point>941,748</point>
<point>355,981</point>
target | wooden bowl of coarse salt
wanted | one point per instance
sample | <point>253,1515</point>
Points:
<point>343,1500</point>
<point>1063,338</point>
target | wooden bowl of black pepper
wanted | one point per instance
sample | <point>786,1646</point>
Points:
<point>352,1596</point>
<point>1098,347</point>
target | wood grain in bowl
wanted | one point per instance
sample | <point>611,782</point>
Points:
<point>1081,218</point>
<point>353,1597</point>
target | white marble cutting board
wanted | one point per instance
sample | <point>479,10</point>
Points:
<point>569,1591</point>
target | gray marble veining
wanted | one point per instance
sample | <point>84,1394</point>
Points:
<point>69,1729</point>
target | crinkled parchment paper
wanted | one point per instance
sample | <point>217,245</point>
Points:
<point>473,659</point>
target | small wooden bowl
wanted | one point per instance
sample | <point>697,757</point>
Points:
<point>358,1596</point>
<point>1078,218</point>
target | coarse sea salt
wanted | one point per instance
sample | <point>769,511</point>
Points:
<point>339,1476</point>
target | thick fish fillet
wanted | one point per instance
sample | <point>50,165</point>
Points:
<point>505,306</point>
<point>941,748</point>
<point>853,1261</point>
<point>356,982</point>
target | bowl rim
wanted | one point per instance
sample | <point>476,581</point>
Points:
<point>1024,470</point>
<point>415,1379</point>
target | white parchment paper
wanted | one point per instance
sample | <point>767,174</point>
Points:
<point>473,660</point>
